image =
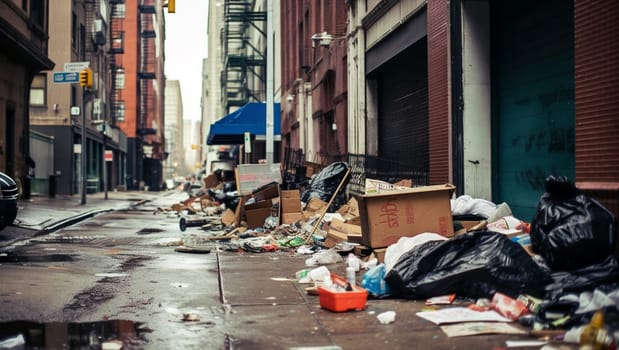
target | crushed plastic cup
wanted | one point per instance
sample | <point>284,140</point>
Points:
<point>386,317</point>
<point>321,276</point>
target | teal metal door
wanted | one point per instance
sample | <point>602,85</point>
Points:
<point>532,99</point>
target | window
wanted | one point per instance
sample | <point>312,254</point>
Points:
<point>118,11</point>
<point>82,43</point>
<point>37,12</point>
<point>119,83</point>
<point>73,95</point>
<point>119,110</point>
<point>74,32</point>
<point>37,90</point>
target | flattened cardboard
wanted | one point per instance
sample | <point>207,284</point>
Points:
<point>385,217</point>
<point>268,192</point>
<point>228,218</point>
<point>352,232</point>
<point>314,205</point>
<point>210,181</point>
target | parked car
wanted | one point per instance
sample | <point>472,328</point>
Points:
<point>8,200</point>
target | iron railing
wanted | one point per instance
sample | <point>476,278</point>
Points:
<point>297,165</point>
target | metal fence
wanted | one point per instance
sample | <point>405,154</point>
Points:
<point>297,165</point>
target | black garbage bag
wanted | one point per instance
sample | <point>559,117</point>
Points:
<point>582,280</point>
<point>570,230</point>
<point>325,183</point>
<point>474,265</point>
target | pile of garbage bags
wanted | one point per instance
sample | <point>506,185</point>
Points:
<point>573,237</point>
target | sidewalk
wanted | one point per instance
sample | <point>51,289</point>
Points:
<point>40,215</point>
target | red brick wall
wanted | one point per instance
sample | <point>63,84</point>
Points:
<point>438,90</point>
<point>596,50</point>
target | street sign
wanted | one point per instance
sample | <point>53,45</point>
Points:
<point>66,77</point>
<point>109,156</point>
<point>76,66</point>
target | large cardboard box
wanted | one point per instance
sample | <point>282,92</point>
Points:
<point>385,217</point>
<point>256,213</point>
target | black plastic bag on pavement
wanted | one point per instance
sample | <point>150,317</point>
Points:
<point>570,230</point>
<point>582,280</point>
<point>325,183</point>
<point>474,265</point>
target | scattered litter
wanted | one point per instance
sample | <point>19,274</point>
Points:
<point>524,343</point>
<point>112,345</point>
<point>111,274</point>
<point>324,257</point>
<point>321,276</point>
<point>461,314</point>
<point>195,250</point>
<point>373,280</point>
<point>386,317</point>
<point>441,300</point>
<point>189,317</point>
<point>508,307</point>
<point>475,328</point>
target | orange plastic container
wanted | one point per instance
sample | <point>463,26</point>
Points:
<point>342,301</point>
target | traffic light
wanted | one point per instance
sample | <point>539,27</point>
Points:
<point>86,78</point>
<point>171,6</point>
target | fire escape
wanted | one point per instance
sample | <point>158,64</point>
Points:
<point>117,47</point>
<point>146,74</point>
<point>244,40</point>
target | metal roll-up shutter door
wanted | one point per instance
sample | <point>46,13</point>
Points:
<point>403,109</point>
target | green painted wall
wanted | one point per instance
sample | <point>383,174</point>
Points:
<point>532,99</point>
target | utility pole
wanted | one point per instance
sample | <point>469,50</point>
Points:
<point>86,83</point>
<point>83,154</point>
<point>269,87</point>
<point>105,179</point>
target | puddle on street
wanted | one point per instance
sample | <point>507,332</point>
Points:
<point>115,334</point>
<point>147,230</point>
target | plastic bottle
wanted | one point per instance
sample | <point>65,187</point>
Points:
<point>594,336</point>
<point>351,275</point>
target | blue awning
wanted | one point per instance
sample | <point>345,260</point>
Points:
<point>251,118</point>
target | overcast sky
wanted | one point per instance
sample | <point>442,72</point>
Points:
<point>186,46</point>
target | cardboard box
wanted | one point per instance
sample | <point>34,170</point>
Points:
<point>256,213</point>
<point>380,254</point>
<point>290,206</point>
<point>334,237</point>
<point>385,217</point>
<point>290,201</point>
<point>353,232</point>
<point>378,186</point>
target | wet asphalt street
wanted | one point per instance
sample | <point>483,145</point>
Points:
<point>115,276</point>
